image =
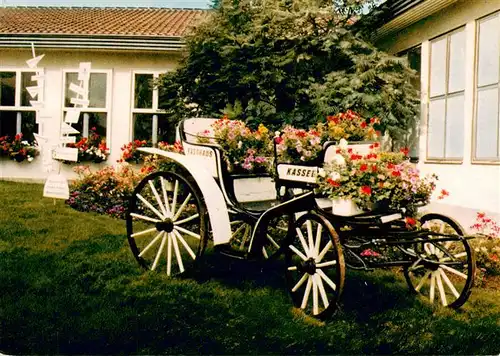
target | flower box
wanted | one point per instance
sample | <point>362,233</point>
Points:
<point>361,148</point>
<point>345,207</point>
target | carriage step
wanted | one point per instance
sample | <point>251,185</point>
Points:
<point>226,250</point>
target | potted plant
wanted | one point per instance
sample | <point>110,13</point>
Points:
<point>386,180</point>
<point>17,149</point>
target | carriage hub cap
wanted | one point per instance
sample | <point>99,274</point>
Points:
<point>166,226</point>
<point>309,266</point>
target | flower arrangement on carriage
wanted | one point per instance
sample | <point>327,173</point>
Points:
<point>377,180</point>
<point>244,150</point>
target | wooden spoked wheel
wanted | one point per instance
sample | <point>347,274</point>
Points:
<point>443,271</point>
<point>315,266</point>
<point>166,223</point>
<point>274,235</point>
<point>270,237</point>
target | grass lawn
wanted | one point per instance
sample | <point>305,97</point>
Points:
<point>70,285</point>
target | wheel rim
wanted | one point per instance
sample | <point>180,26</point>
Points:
<point>166,223</point>
<point>448,278</point>
<point>315,266</point>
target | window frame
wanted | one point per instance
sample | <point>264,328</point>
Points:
<point>17,107</point>
<point>477,89</point>
<point>106,109</point>
<point>445,96</point>
<point>155,100</point>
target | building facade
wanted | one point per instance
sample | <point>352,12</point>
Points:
<point>456,46</point>
<point>127,49</point>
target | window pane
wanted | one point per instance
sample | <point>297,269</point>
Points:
<point>8,121</point>
<point>7,88</point>
<point>27,82</point>
<point>97,89</point>
<point>166,129</point>
<point>29,125</point>
<point>456,79</point>
<point>143,127</point>
<point>143,98</point>
<point>88,121</point>
<point>415,61</point>
<point>455,126</point>
<point>438,67</point>
<point>435,129</point>
<point>70,78</point>
<point>488,52</point>
<point>487,124</point>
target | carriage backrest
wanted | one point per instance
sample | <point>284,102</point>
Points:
<point>192,128</point>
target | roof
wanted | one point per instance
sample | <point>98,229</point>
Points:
<point>130,29</point>
<point>97,21</point>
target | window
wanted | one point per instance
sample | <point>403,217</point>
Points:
<point>487,123</point>
<point>445,125</point>
<point>97,113</point>
<point>16,113</point>
<point>148,122</point>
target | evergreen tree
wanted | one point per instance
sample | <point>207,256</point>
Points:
<point>288,61</point>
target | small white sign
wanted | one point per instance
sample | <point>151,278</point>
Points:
<point>56,187</point>
<point>32,63</point>
<point>66,154</point>
<point>36,104</point>
<point>82,102</point>
<point>68,129</point>
<point>77,89</point>
<point>72,116</point>
<point>67,139</point>
<point>38,76</point>
<point>33,91</point>
<point>297,173</point>
<point>84,71</point>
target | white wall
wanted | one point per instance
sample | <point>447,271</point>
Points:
<point>120,64</point>
<point>473,187</point>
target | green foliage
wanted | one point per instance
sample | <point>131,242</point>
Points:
<point>283,62</point>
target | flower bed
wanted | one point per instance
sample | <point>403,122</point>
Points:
<point>17,149</point>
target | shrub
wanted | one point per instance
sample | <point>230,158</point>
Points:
<point>487,245</point>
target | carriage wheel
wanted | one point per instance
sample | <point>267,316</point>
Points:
<point>445,284</point>
<point>166,226</point>
<point>315,266</point>
<point>275,231</point>
<point>241,232</point>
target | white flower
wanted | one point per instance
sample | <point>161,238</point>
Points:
<point>335,176</point>
<point>338,159</point>
<point>30,158</point>
<point>25,143</point>
<point>321,173</point>
<point>240,144</point>
<point>276,134</point>
<point>343,144</point>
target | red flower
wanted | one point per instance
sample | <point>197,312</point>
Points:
<point>374,168</point>
<point>405,150</point>
<point>410,221</point>
<point>332,182</point>
<point>481,215</point>
<point>338,150</point>
<point>391,166</point>
<point>363,167</point>
<point>443,194</point>
<point>366,190</point>
<point>396,173</point>
<point>494,257</point>
<point>376,145</point>
<point>349,150</point>
<point>278,140</point>
<point>363,125</point>
<point>301,133</point>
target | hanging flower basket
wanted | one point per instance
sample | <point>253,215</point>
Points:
<point>345,207</point>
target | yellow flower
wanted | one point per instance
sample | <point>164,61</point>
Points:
<point>262,129</point>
